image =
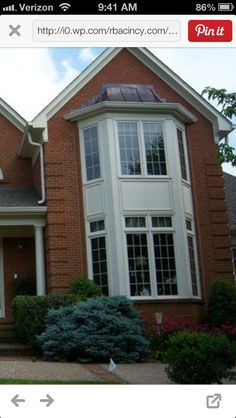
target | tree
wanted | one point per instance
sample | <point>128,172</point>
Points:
<point>227,102</point>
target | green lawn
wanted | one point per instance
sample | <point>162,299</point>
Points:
<point>51,382</point>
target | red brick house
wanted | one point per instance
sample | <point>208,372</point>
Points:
<point>116,179</point>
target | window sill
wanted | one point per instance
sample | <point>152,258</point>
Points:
<point>167,301</point>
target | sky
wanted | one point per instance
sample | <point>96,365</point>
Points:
<point>31,78</point>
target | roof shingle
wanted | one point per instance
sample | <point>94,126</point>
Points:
<point>18,197</point>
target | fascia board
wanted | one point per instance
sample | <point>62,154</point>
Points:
<point>76,85</point>
<point>8,210</point>
<point>183,89</point>
<point>175,109</point>
<point>12,116</point>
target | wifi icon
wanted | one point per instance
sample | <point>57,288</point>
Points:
<point>64,6</point>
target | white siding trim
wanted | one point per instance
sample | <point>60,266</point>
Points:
<point>2,290</point>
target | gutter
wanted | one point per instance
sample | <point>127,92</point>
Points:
<point>40,147</point>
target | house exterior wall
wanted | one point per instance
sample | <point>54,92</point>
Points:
<point>17,171</point>
<point>37,176</point>
<point>65,231</point>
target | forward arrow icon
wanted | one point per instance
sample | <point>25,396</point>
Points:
<point>48,401</point>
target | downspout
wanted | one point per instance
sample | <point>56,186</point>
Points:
<point>41,156</point>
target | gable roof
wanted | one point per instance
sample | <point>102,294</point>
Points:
<point>221,125</point>
<point>9,113</point>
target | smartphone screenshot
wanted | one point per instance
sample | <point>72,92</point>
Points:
<point>117,209</point>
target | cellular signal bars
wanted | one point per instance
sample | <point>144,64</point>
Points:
<point>9,8</point>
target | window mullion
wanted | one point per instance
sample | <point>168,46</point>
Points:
<point>142,150</point>
<point>152,264</point>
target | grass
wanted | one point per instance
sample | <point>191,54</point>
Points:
<point>51,382</point>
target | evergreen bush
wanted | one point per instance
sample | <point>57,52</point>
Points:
<point>200,358</point>
<point>222,303</point>
<point>95,330</point>
<point>84,288</point>
<point>29,314</point>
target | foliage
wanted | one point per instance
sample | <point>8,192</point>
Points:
<point>24,285</point>
<point>29,314</point>
<point>95,330</point>
<point>225,154</point>
<point>222,303</point>
<point>200,358</point>
<point>159,334</point>
<point>227,101</point>
<point>84,288</point>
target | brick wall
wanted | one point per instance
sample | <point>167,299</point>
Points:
<point>17,171</point>
<point>37,176</point>
<point>65,235</point>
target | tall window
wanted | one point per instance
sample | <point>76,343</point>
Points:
<point>192,260</point>
<point>151,256</point>
<point>142,149</point>
<point>1,174</point>
<point>165,264</point>
<point>91,151</point>
<point>234,260</point>
<point>129,148</point>
<point>182,155</point>
<point>99,255</point>
<point>154,149</point>
<point>139,274</point>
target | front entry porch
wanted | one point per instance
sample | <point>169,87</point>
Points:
<point>21,257</point>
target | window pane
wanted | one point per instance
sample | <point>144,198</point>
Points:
<point>154,149</point>
<point>192,265</point>
<point>182,155</point>
<point>99,263</point>
<point>129,148</point>
<point>161,222</point>
<point>135,222</point>
<point>188,225</point>
<point>97,226</point>
<point>165,264</point>
<point>92,161</point>
<point>139,274</point>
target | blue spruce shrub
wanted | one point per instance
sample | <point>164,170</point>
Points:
<point>95,330</point>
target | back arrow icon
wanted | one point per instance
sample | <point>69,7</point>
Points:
<point>49,400</point>
<point>17,400</point>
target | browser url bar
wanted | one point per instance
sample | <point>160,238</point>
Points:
<point>106,31</point>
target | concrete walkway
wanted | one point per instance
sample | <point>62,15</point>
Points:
<point>26,368</point>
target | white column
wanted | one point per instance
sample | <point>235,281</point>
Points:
<point>40,266</point>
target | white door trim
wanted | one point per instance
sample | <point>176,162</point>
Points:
<point>2,292</point>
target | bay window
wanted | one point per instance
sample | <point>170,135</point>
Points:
<point>151,256</point>
<point>142,149</point>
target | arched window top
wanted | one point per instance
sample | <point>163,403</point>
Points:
<point>1,174</point>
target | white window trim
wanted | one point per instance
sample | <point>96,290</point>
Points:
<point>90,235</point>
<point>149,231</point>
<point>186,155</point>
<point>2,288</point>
<point>234,263</point>
<point>193,235</point>
<point>140,121</point>
<point>82,148</point>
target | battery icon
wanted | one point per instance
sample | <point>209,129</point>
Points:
<point>225,7</point>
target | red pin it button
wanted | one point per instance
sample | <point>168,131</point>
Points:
<point>210,30</point>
